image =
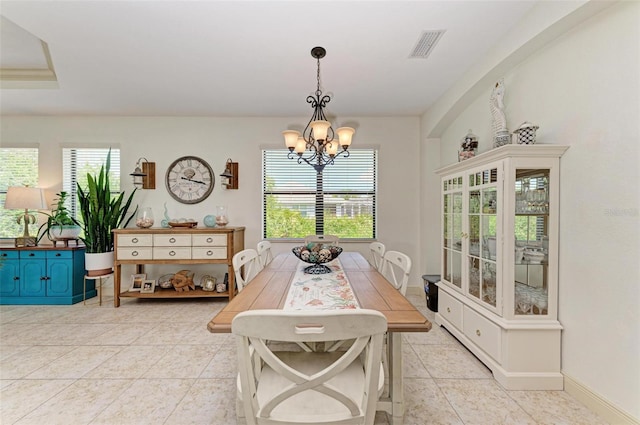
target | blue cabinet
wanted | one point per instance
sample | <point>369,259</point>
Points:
<point>38,275</point>
<point>9,274</point>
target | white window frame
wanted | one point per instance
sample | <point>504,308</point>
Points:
<point>299,180</point>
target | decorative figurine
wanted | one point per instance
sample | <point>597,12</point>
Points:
<point>496,104</point>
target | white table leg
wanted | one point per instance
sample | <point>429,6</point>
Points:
<point>396,391</point>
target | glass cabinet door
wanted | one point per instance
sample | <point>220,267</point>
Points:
<point>482,216</point>
<point>531,254</point>
<point>452,228</point>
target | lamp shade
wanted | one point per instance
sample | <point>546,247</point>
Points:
<point>24,197</point>
<point>291,138</point>
<point>320,129</point>
<point>345,134</point>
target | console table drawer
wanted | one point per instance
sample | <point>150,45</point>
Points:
<point>210,240</point>
<point>171,240</point>
<point>214,253</point>
<point>141,253</point>
<point>484,333</point>
<point>135,240</point>
<point>171,253</point>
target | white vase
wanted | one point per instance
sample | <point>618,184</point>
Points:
<point>98,264</point>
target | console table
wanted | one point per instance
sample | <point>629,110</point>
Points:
<point>178,245</point>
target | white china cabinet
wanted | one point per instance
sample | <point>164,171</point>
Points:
<point>499,289</point>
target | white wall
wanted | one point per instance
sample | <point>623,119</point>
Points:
<point>163,139</point>
<point>583,90</point>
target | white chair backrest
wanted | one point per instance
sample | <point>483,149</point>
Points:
<point>246,265</point>
<point>377,254</point>
<point>328,239</point>
<point>309,387</point>
<point>396,267</point>
<point>264,252</point>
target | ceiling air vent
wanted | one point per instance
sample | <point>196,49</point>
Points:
<point>426,43</point>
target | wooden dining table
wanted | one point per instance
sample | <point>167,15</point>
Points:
<point>270,287</point>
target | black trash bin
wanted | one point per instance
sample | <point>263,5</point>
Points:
<point>431,290</point>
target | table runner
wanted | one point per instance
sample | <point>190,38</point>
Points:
<point>320,291</point>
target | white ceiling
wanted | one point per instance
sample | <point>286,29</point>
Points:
<point>247,58</point>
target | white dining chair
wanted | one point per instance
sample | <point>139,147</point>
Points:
<point>327,239</point>
<point>377,254</point>
<point>295,387</point>
<point>264,252</point>
<point>246,265</point>
<point>396,267</point>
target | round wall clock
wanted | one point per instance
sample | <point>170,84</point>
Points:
<point>189,179</point>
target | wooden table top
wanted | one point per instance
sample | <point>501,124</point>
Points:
<point>269,289</point>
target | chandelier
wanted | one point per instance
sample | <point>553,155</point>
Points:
<point>317,145</point>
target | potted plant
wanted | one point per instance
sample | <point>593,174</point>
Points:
<point>101,213</point>
<point>59,224</point>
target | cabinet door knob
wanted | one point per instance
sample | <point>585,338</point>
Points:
<point>172,240</point>
<point>478,332</point>
<point>448,310</point>
<point>134,240</point>
<point>16,278</point>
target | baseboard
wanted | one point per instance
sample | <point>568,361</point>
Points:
<point>415,290</point>
<point>612,414</point>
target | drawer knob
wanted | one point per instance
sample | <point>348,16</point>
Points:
<point>209,240</point>
<point>448,310</point>
<point>172,240</point>
<point>478,332</point>
<point>172,253</point>
<point>16,278</point>
<point>31,254</point>
<point>58,254</point>
<point>209,253</point>
<point>134,254</point>
<point>134,240</point>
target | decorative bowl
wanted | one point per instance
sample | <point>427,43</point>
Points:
<point>164,281</point>
<point>317,254</point>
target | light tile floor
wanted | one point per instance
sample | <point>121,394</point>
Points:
<point>154,362</point>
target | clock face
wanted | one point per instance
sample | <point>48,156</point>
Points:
<point>189,180</point>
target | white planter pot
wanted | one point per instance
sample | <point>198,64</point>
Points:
<point>66,232</point>
<point>98,264</point>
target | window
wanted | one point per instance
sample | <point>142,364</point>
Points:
<point>340,201</point>
<point>19,168</point>
<point>77,162</point>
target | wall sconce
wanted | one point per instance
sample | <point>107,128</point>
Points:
<point>230,175</point>
<point>27,198</point>
<point>144,176</point>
